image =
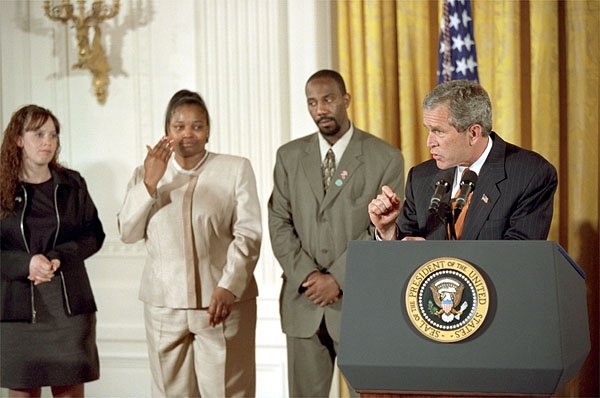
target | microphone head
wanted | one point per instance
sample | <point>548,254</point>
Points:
<point>469,177</point>
<point>446,175</point>
<point>443,183</point>
<point>467,185</point>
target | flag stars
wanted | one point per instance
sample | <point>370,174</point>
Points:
<point>466,18</point>
<point>457,43</point>
<point>471,64</point>
<point>465,63</point>
<point>468,42</point>
<point>461,66</point>
<point>457,58</point>
<point>454,21</point>
<point>442,47</point>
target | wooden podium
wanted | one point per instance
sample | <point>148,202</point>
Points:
<point>534,337</point>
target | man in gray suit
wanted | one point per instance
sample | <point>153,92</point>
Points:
<point>515,188</point>
<point>323,183</point>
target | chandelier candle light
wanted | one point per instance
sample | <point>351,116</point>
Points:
<point>90,57</point>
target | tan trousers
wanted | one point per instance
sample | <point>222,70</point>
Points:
<point>189,358</point>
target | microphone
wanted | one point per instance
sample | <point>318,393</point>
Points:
<point>442,186</point>
<point>467,185</point>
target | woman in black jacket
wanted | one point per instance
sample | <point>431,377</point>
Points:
<point>48,227</point>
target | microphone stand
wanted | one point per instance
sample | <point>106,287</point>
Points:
<point>450,220</point>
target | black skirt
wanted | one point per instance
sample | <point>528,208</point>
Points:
<point>56,350</point>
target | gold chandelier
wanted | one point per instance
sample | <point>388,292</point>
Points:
<point>90,57</point>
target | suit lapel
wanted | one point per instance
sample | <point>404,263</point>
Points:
<point>486,193</point>
<point>345,169</point>
<point>311,164</point>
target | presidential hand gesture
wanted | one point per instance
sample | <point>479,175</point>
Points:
<point>383,211</point>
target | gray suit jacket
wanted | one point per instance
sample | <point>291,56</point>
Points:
<point>512,199</point>
<point>310,229</point>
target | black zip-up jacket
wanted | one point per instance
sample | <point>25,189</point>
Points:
<point>79,235</point>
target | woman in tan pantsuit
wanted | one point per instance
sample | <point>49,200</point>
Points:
<point>199,215</point>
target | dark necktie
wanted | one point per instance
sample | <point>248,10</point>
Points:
<point>328,167</point>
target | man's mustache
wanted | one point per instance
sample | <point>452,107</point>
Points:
<point>319,120</point>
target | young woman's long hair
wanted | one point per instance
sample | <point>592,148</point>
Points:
<point>27,118</point>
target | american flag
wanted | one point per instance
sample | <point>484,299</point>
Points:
<point>458,58</point>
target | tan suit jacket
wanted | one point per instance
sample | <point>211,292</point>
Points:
<point>310,229</point>
<point>200,232</point>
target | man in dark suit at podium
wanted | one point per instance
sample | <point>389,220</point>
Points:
<point>514,190</point>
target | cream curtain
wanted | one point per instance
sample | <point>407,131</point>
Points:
<point>538,60</point>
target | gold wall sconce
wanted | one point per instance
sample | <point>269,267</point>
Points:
<point>90,57</point>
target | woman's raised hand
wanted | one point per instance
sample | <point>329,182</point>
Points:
<point>156,162</point>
